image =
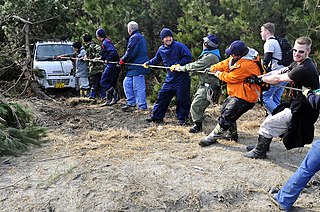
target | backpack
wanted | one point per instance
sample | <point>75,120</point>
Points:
<point>263,70</point>
<point>286,49</point>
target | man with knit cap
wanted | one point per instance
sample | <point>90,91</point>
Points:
<point>242,63</point>
<point>176,83</point>
<point>208,83</point>
<point>111,71</point>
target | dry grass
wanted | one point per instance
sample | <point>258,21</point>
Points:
<point>101,159</point>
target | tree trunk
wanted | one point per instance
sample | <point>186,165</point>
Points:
<point>34,85</point>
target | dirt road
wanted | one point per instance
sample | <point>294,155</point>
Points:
<point>102,159</point>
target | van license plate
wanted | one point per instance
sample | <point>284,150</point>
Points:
<point>59,85</point>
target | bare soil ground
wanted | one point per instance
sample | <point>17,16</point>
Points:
<point>102,159</point>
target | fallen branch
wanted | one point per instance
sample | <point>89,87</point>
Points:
<point>15,183</point>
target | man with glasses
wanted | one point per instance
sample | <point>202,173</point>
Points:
<point>296,121</point>
<point>288,194</point>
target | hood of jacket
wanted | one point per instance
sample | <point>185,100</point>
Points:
<point>251,55</point>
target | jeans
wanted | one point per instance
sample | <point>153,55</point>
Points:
<point>272,97</point>
<point>289,193</point>
<point>135,90</point>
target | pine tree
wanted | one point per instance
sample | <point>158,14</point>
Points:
<point>17,129</point>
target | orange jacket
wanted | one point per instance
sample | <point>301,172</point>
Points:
<point>235,75</point>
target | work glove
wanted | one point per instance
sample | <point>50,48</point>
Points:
<point>212,69</point>
<point>121,62</point>
<point>305,91</point>
<point>207,70</point>
<point>145,65</point>
<point>253,80</point>
<point>217,73</point>
<point>173,67</point>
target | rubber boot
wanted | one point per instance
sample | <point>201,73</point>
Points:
<point>92,94</point>
<point>218,132</point>
<point>260,151</point>
<point>251,147</point>
<point>232,133</point>
<point>81,92</point>
<point>85,92</point>
<point>106,103</point>
<point>115,97</point>
<point>112,97</point>
<point>197,127</point>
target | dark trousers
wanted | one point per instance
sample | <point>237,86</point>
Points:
<point>95,83</point>
<point>109,78</point>
<point>232,109</point>
<point>165,95</point>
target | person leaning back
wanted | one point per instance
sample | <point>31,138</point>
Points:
<point>242,63</point>
<point>295,123</point>
<point>111,71</point>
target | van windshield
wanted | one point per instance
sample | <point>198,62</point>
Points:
<point>49,51</point>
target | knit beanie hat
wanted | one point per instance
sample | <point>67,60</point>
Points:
<point>101,33</point>
<point>211,40</point>
<point>76,45</point>
<point>87,38</point>
<point>165,32</point>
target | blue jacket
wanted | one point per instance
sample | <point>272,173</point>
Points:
<point>176,53</point>
<point>136,52</point>
<point>109,52</point>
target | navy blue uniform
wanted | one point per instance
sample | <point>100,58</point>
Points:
<point>176,83</point>
<point>111,72</point>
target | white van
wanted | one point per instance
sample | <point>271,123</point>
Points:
<point>54,73</point>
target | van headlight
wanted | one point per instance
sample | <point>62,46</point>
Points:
<point>40,73</point>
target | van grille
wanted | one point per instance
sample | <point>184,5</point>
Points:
<point>55,81</point>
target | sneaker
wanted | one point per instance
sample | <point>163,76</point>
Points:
<point>158,121</point>
<point>128,108</point>
<point>272,194</point>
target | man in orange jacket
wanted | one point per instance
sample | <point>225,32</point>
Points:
<point>242,63</point>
